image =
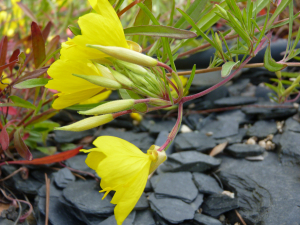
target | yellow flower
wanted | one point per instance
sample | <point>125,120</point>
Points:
<point>123,168</point>
<point>4,81</point>
<point>100,28</point>
<point>73,89</point>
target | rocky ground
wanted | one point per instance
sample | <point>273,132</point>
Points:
<point>256,177</point>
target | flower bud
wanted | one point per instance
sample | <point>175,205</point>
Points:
<point>158,102</point>
<point>222,11</point>
<point>87,123</point>
<point>110,107</point>
<point>122,78</point>
<point>156,157</point>
<point>133,67</point>
<point>100,81</point>
<point>104,71</point>
<point>126,55</point>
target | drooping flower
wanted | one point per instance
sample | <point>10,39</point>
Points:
<point>4,81</point>
<point>123,168</point>
<point>72,89</point>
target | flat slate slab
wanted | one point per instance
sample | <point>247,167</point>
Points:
<point>201,219</point>
<point>235,100</point>
<point>175,185</point>
<point>191,161</point>
<point>206,184</point>
<point>262,128</point>
<point>243,150</point>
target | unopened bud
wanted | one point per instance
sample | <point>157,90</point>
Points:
<point>110,107</point>
<point>133,67</point>
<point>222,11</point>
<point>104,71</point>
<point>126,55</point>
<point>100,81</point>
<point>122,78</point>
<point>157,157</point>
<point>87,123</point>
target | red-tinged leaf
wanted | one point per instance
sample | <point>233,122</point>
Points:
<point>25,136</point>
<point>47,159</point>
<point>13,58</point>
<point>7,65</point>
<point>34,74</point>
<point>21,147</point>
<point>27,11</point>
<point>46,30</point>
<point>38,45</point>
<point>52,46</point>
<point>3,52</point>
<point>4,139</point>
<point>10,110</point>
<point>42,117</point>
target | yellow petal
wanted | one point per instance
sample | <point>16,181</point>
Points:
<point>97,98</point>
<point>104,8</point>
<point>94,158</point>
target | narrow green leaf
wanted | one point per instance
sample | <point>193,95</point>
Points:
<point>18,102</point>
<point>50,150</point>
<point>160,31</point>
<point>227,67</point>
<point>278,10</point>
<point>84,107</point>
<point>270,64</point>
<point>291,13</point>
<point>190,81</point>
<point>142,18</point>
<point>271,87</point>
<point>36,82</point>
<point>76,31</point>
<point>38,45</point>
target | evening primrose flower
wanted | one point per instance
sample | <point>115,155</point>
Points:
<point>72,89</point>
<point>4,81</point>
<point>123,168</point>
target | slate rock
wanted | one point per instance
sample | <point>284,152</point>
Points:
<point>156,126</point>
<point>216,204</point>
<point>197,202</point>
<point>207,79</point>
<point>39,174</point>
<point>112,220</point>
<point>238,86</point>
<point>166,208</point>
<point>58,214</point>
<point>193,120</point>
<point>86,197</point>
<point>144,217</point>
<point>148,187</point>
<point>235,100</point>
<point>142,140</point>
<point>78,162</point>
<point>263,183</point>
<point>161,139</point>
<point>262,128</point>
<point>221,128</point>
<point>264,110</point>
<point>193,141</point>
<point>175,185</point>
<point>219,93</point>
<point>243,150</point>
<point>62,136</point>
<point>238,138</point>
<point>142,203</point>
<point>121,123</point>
<point>254,200</point>
<point>234,115</point>
<point>263,93</point>
<point>63,177</point>
<point>201,219</point>
<point>191,161</point>
<point>292,125</point>
<point>29,186</point>
<point>54,190</point>
<point>289,145</point>
<point>206,184</point>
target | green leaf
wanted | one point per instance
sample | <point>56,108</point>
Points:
<point>160,31</point>
<point>190,81</point>
<point>142,18</point>
<point>36,82</point>
<point>278,10</point>
<point>38,45</point>
<point>47,150</point>
<point>76,31</point>
<point>18,102</point>
<point>127,94</point>
<point>291,13</point>
<point>271,87</point>
<point>227,67</point>
<point>270,64</point>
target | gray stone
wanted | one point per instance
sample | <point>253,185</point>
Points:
<point>148,187</point>
<point>268,190</point>
<point>292,125</point>
<point>63,177</point>
<point>54,191</point>
<point>112,220</point>
<point>86,197</point>
<point>142,140</point>
<point>221,129</point>
<point>194,141</point>
<point>238,87</point>
<point>207,79</point>
<point>144,217</point>
<point>289,145</point>
<point>175,185</point>
<point>29,186</point>
<point>197,202</point>
<point>262,128</point>
<point>201,219</point>
<point>191,161</point>
<point>243,150</point>
<point>156,126</point>
<point>166,208</point>
<point>161,139</point>
<point>206,184</point>
<point>238,138</point>
<point>235,100</point>
<point>193,120</point>
<point>216,204</point>
<point>142,203</point>
<point>78,162</point>
<point>62,136</point>
<point>263,93</point>
<point>233,115</point>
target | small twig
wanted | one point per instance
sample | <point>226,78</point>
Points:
<point>80,171</point>
<point>21,169</point>
<point>240,217</point>
<point>47,181</point>
<point>75,174</point>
